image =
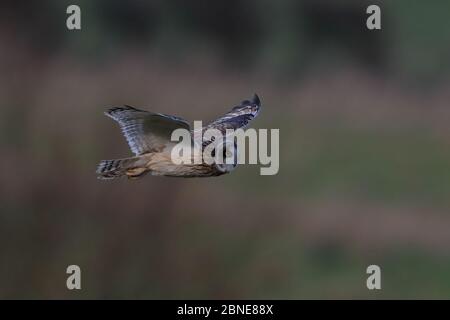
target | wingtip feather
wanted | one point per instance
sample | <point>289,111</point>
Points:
<point>256,100</point>
<point>111,111</point>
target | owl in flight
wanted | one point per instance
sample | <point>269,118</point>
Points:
<point>149,136</point>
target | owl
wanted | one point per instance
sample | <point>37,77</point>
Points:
<point>149,136</point>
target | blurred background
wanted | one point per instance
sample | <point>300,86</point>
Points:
<point>364,147</point>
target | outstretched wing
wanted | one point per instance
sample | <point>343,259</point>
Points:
<point>146,131</point>
<point>236,118</point>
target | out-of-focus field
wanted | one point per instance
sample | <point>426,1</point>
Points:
<point>364,179</point>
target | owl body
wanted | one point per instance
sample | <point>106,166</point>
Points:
<point>148,135</point>
<point>162,164</point>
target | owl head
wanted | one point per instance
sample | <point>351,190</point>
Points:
<point>228,159</point>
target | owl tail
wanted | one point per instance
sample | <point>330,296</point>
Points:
<point>111,169</point>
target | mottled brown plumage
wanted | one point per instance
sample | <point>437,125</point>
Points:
<point>148,135</point>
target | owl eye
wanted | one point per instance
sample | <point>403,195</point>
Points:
<point>225,153</point>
